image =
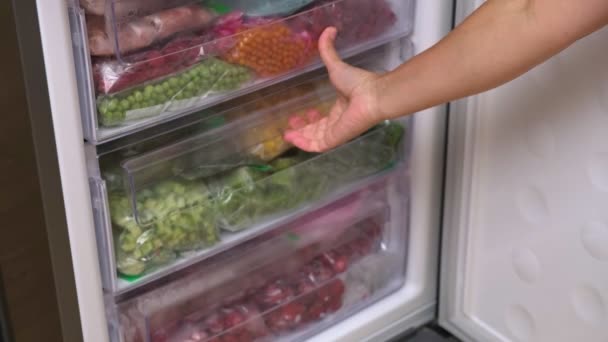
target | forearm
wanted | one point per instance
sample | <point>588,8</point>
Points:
<point>500,41</point>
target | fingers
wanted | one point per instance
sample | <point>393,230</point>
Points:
<point>328,52</point>
<point>295,122</point>
<point>299,140</point>
<point>313,115</point>
<point>343,76</point>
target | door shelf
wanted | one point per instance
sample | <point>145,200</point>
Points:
<point>171,207</point>
<point>287,284</point>
<point>126,86</point>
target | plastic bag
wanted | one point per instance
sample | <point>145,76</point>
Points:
<point>112,75</point>
<point>268,47</point>
<point>356,20</point>
<point>181,90</point>
<point>178,218</point>
<point>145,31</point>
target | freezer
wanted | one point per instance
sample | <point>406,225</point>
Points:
<point>144,62</point>
<point>189,218</point>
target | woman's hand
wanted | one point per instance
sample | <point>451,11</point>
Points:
<point>355,111</point>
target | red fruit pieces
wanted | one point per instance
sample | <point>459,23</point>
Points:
<point>232,318</point>
<point>338,262</point>
<point>319,272</point>
<point>286,317</point>
<point>214,324</point>
<point>274,294</point>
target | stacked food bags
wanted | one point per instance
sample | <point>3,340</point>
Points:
<point>156,57</point>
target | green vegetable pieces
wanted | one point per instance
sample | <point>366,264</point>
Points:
<point>185,213</point>
<point>245,196</point>
<point>173,217</point>
<point>211,75</point>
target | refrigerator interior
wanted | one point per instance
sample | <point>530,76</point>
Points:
<point>141,63</point>
<point>526,242</point>
<point>413,298</point>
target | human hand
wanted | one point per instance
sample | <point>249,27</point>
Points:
<point>355,110</point>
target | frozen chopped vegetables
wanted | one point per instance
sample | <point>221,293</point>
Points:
<point>174,217</point>
<point>185,213</point>
<point>152,99</point>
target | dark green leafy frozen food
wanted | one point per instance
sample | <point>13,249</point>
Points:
<point>246,196</point>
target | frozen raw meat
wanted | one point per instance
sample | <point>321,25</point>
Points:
<point>144,31</point>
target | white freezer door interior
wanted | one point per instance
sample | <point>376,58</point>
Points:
<point>525,238</point>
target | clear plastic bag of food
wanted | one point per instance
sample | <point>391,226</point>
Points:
<point>118,36</point>
<point>268,47</point>
<point>112,75</point>
<point>355,20</point>
<point>181,90</point>
<point>139,249</point>
<point>174,218</point>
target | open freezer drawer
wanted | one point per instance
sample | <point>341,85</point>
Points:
<point>141,63</point>
<point>525,241</point>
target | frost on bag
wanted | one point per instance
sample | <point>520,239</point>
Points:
<point>174,217</point>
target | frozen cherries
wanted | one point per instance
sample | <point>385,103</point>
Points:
<point>285,303</point>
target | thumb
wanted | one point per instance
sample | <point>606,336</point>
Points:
<point>328,52</point>
<point>343,76</point>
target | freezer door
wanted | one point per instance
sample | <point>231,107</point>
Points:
<point>525,235</point>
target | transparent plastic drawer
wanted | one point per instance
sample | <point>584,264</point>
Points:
<point>288,284</point>
<point>169,207</point>
<point>145,62</point>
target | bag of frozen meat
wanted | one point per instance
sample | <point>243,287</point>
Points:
<point>127,36</point>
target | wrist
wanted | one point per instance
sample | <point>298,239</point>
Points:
<point>378,87</point>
